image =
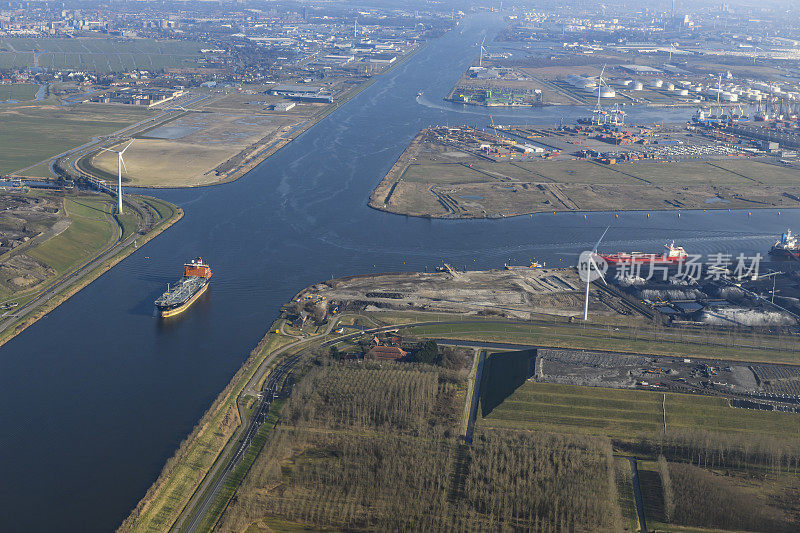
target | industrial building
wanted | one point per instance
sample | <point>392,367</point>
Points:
<point>150,96</point>
<point>303,93</point>
<point>284,106</point>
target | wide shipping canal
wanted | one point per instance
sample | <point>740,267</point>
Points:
<point>96,396</point>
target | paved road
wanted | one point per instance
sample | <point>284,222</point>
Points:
<point>59,285</point>
<point>259,416</point>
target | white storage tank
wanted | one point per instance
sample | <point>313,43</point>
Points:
<point>606,92</point>
<point>638,86</point>
<point>729,97</point>
<point>670,86</point>
<point>656,84</point>
<point>683,92</point>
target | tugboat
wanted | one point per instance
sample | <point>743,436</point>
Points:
<point>193,283</point>
<point>674,254</point>
<point>786,246</point>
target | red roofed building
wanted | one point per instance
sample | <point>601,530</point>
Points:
<point>385,353</point>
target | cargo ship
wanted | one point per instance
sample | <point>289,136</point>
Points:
<point>786,246</point>
<point>674,254</point>
<point>193,283</point>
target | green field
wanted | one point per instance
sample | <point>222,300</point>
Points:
<point>91,230</point>
<point>43,130</point>
<point>624,414</point>
<point>20,92</point>
<point>98,54</point>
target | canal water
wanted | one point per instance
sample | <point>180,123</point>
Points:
<point>96,396</point>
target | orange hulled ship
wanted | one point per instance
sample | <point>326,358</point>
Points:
<point>674,254</point>
<point>193,283</point>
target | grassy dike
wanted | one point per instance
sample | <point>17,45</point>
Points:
<point>185,471</point>
<point>169,214</point>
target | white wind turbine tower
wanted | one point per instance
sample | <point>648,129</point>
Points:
<point>480,58</point>
<point>120,166</point>
<point>601,83</point>
<point>587,258</point>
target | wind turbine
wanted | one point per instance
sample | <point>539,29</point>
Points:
<point>587,258</point>
<point>480,58</point>
<point>120,166</point>
<point>598,110</point>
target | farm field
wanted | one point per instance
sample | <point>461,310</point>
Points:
<point>98,53</point>
<point>19,92</point>
<point>625,414</point>
<point>370,447</point>
<point>42,130</point>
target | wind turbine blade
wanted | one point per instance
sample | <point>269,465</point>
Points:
<point>126,147</point>
<point>123,163</point>
<point>600,239</point>
<point>107,150</point>
<point>597,268</point>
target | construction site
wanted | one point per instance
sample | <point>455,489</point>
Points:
<point>28,220</point>
<point>515,293</point>
<point>598,164</point>
<point>652,337</point>
<point>677,295</point>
